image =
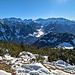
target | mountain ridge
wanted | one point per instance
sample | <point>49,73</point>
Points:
<point>29,30</point>
<point>55,39</point>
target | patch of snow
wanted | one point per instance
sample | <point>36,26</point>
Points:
<point>52,28</point>
<point>32,55</point>
<point>66,45</point>
<point>8,57</point>
<point>59,72</point>
<point>60,63</point>
<point>23,66</point>
<point>46,59</point>
<point>30,35</point>
<point>1,21</point>
<point>40,32</point>
<point>63,64</point>
<point>33,68</point>
<point>0,57</point>
<point>41,26</point>
<point>4,73</point>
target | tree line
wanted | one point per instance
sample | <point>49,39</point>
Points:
<point>13,48</point>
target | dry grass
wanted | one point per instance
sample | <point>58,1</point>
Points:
<point>6,68</point>
<point>57,68</point>
<point>62,69</point>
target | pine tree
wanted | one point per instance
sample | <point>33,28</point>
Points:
<point>22,45</point>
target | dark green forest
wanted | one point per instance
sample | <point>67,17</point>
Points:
<point>53,54</point>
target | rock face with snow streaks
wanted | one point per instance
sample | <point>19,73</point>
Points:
<point>29,31</point>
<point>56,40</point>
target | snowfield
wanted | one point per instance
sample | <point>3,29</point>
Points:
<point>25,66</point>
<point>4,73</point>
<point>65,45</point>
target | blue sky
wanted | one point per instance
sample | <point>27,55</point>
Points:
<point>26,9</point>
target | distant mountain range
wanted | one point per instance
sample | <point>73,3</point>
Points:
<point>43,32</point>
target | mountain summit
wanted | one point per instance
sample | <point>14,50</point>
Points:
<point>29,31</point>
